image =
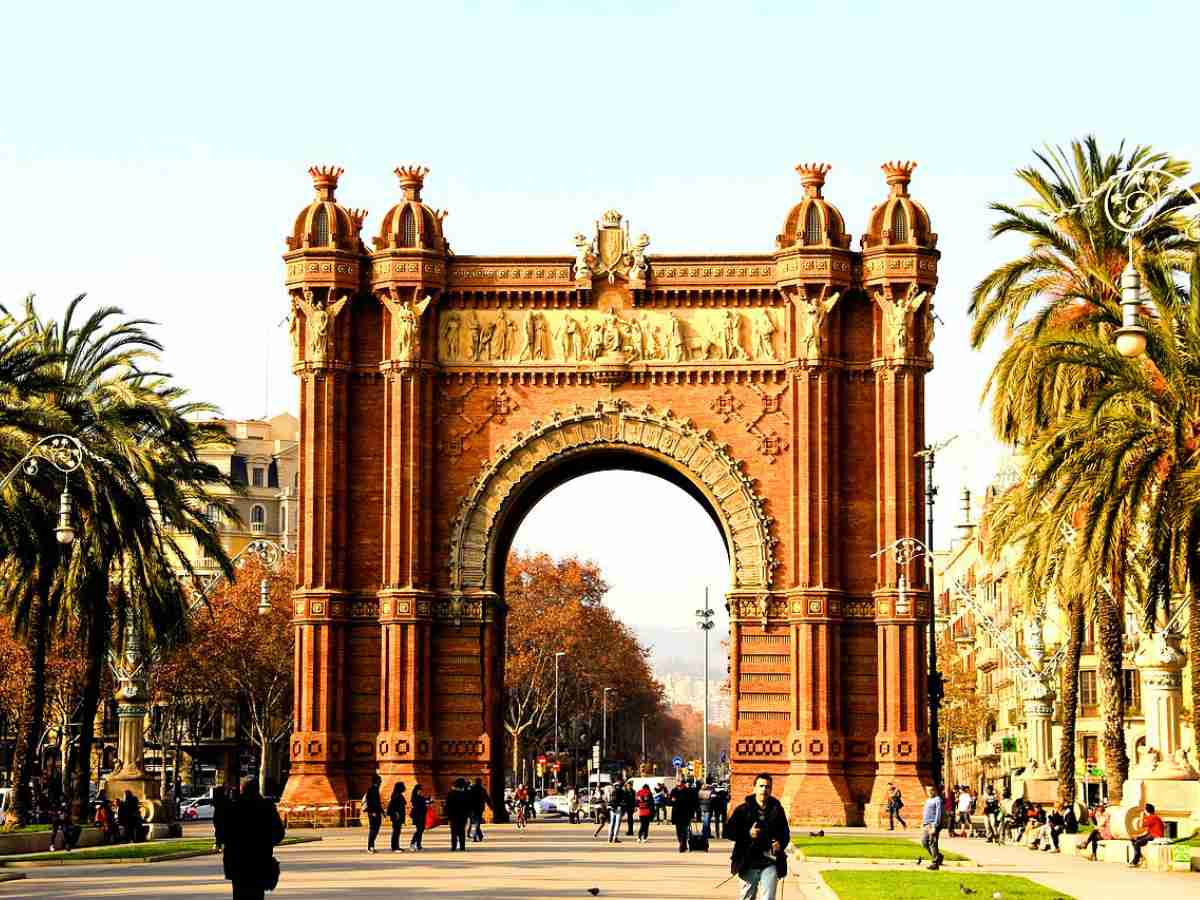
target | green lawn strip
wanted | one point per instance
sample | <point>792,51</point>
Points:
<point>838,846</point>
<point>24,829</point>
<point>175,848</point>
<point>854,884</point>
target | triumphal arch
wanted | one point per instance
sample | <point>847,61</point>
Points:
<point>442,395</point>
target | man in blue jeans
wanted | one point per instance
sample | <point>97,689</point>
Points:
<point>931,825</point>
<point>705,800</point>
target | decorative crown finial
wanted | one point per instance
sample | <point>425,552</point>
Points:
<point>325,179</point>
<point>611,219</point>
<point>898,174</point>
<point>357,216</point>
<point>812,176</point>
<point>411,179</point>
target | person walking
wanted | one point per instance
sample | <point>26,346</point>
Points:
<point>660,802</point>
<point>931,826</point>
<point>419,806</point>
<point>521,804</point>
<point>458,811</point>
<point>895,803</point>
<point>683,809</point>
<point>966,803</point>
<point>252,830</point>
<point>760,835</point>
<point>129,817</point>
<point>573,806</point>
<point>480,800</point>
<point>645,810</point>
<point>991,815</point>
<point>372,807</point>
<point>1153,826</point>
<point>616,804</point>
<point>720,808</point>
<point>396,809</point>
<point>704,800</point>
<point>629,806</point>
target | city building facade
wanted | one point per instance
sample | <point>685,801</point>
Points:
<point>442,395</point>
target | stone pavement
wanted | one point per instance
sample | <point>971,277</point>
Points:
<point>550,860</point>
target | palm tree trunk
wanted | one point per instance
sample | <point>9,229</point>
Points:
<point>97,636</point>
<point>1112,690</point>
<point>1070,701</point>
<point>33,704</point>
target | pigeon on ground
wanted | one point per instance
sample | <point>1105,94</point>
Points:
<point>963,889</point>
<point>593,891</point>
<point>820,833</point>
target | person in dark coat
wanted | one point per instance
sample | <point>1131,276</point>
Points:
<point>458,811</point>
<point>720,810</point>
<point>373,809</point>
<point>252,829</point>
<point>629,796</point>
<point>396,810</point>
<point>760,835</point>
<point>223,797</point>
<point>480,801</point>
<point>419,804</point>
<point>684,804</point>
<point>129,817</point>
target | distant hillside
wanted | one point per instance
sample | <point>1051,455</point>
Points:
<point>680,650</point>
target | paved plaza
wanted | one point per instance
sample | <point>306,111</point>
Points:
<point>549,860</point>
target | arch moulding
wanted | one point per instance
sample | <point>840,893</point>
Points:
<point>614,424</point>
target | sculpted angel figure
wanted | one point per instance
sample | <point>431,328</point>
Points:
<point>583,253</point>
<point>406,325</point>
<point>763,335</point>
<point>898,314</point>
<point>450,336</point>
<point>294,327</point>
<point>810,318</point>
<point>320,318</point>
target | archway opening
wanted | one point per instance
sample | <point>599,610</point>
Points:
<point>654,537</point>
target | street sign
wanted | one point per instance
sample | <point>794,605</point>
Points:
<point>542,759</point>
<point>677,762</point>
<point>596,755</point>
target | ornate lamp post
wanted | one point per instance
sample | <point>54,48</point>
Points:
<point>557,657</point>
<point>65,453</point>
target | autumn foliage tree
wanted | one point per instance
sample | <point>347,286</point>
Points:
<point>964,711</point>
<point>558,606</point>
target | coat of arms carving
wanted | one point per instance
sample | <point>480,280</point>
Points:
<point>611,252</point>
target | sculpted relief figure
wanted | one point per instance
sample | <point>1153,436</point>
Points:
<point>320,318</point>
<point>898,317</point>
<point>535,337</point>
<point>676,346</point>
<point>636,339</point>
<point>763,335</point>
<point>502,339</point>
<point>570,340</point>
<point>450,348</point>
<point>810,320</point>
<point>653,338</point>
<point>473,335</point>
<point>406,326</point>
<point>731,336</point>
<point>487,334</point>
<point>294,329</point>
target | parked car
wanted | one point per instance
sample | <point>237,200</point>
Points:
<point>195,810</point>
<point>553,805</point>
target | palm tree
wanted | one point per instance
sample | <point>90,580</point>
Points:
<point>1058,297</point>
<point>143,484</point>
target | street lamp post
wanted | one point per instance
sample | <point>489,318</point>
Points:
<point>65,453</point>
<point>604,727</point>
<point>557,655</point>
<point>705,621</point>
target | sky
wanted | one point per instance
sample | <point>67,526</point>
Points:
<point>154,155</point>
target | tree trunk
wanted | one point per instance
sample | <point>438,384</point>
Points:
<point>265,761</point>
<point>1070,701</point>
<point>1111,629</point>
<point>516,757</point>
<point>95,606</point>
<point>33,704</point>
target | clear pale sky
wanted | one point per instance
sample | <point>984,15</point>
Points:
<point>154,155</point>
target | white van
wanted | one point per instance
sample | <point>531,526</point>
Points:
<point>6,801</point>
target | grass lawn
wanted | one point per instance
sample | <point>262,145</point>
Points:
<point>902,885</point>
<point>144,850</point>
<point>862,847</point>
<point>24,829</point>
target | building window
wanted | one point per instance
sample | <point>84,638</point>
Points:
<point>1087,689</point>
<point>258,479</point>
<point>258,518</point>
<point>812,225</point>
<point>1132,687</point>
<point>213,514</point>
<point>899,225</point>
<point>321,227</point>
<point>1090,744</point>
<point>408,228</point>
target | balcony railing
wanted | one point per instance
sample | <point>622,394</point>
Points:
<point>987,659</point>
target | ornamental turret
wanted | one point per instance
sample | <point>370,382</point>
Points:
<point>813,222</point>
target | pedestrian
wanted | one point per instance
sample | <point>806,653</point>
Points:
<point>895,803</point>
<point>660,802</point>
<point>720,808</point>
<point>252,830</point>
<point>683,809</point>
<point>420,812</point>
<point>966,803</point>
<point>931,826</point>
<point>760,835</point>
<point>629,806</point>
<point>645,810</point>
<point>372,807</point>
<point>396,809</point>
<point>521,806</point>
<point>1153,826</point>
<point>129,817</point>
<point>991,815</point>
<point>616,804</point>
<point>573,806</point>
<point>480,800</point>
<point>704,800</point>
<point>104,820</point>
<point>220,802</point>
<point>458,811</point>
<point>1070,820</point>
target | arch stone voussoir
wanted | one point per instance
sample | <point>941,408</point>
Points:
<point>614,424</point>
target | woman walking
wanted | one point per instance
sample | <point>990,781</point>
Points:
<point>252,830</point>
<point>645,809</point>
<point>420,808</point>
<point>397,807</point>
<point>372,807</point>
